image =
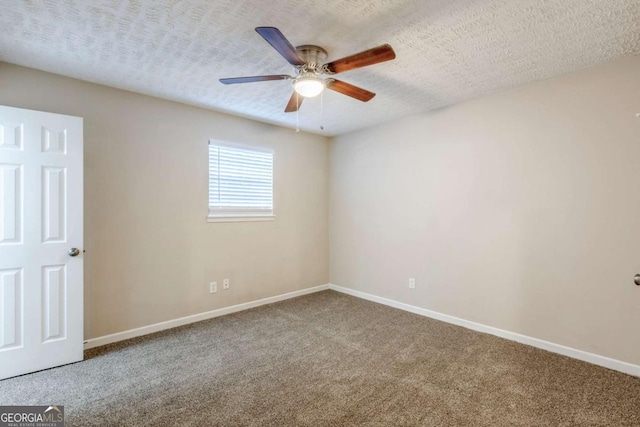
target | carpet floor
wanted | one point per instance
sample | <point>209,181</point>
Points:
<point>328,359</point>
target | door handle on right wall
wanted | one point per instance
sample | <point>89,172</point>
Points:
<point>636,279</point>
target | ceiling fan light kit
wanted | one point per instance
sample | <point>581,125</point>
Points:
<point>308,85</point>
<point>307,60</point>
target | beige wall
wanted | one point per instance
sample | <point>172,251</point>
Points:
<point>516,210</point>
<point>150,253</point>
<point>519,210</point>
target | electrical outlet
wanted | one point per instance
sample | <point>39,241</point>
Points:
<point>213,287</point>
<point>412,283</point>
<point>225,284</point>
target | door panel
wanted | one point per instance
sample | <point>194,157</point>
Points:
<point>41,287</point>
<point>54,215</point>
<point>11,306</point>
<point>54,296</point>
<point>11,136</point>
<point>11,206</point>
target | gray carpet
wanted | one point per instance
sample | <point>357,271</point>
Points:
<point>328,359</point>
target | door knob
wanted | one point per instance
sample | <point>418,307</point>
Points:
<point>73,252</point>
<point>636,279</point>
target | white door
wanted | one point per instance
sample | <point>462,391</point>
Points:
<point>41,303</point>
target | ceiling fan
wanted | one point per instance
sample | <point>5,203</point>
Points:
<point>307,60</point>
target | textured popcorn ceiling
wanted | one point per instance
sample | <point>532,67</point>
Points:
<point>447,50</point>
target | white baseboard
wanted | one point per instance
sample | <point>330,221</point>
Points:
<point>157,327</point>
<point>618,365</point>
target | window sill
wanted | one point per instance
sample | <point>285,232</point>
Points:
<point>247,218</point>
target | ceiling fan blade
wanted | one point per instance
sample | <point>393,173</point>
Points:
<point>279,42</point>
<point>368,57</point>
<point>294,103</point>
<point>234,80</point>
<point>350,90</point>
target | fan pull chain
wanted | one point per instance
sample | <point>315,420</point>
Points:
<point>297,113</point>
<point>321,110</point>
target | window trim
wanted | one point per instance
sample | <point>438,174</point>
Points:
<point>235,218</point>
<point>234,214</point>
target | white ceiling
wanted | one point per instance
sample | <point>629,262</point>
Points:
<point>447,50</point>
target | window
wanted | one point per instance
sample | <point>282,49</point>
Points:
<point>240,184</point>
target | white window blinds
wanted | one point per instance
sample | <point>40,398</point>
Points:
<point>240,182</point>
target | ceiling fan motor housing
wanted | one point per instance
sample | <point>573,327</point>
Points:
<point>313,56</point>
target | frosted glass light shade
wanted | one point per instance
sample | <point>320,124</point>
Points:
<point>309,86</point>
